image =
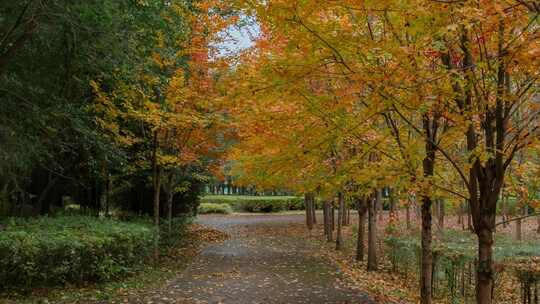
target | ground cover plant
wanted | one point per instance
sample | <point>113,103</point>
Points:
<point>71,249</point>
<point>223,208</point>
<point>265,204</point>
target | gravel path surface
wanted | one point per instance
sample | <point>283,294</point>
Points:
<point>260,263</point>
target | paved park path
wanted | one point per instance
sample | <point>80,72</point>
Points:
<point>260,263</point>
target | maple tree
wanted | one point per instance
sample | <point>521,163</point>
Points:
<point>403,74</point>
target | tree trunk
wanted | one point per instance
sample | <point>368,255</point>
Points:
<point>157,187</point>
<point>170,196</point>
<point>309,213</point>
<point>327,222</point>
<point>313,209</point>
<point>427,257</point>
<point>344,215</point>
<point>428,165</point>
<point>380,209</point>
<point>441,214</point>
<point>325,219</point>
<point>408,216</point>
<point>332,216</point>
<point>484,273</point>
<point>361,206</point>
<point>460,215</point>
<point>372,232</point>
<point>341,216</point>
<point>108,196</point>
<point>538,224</point>
<point>518,229</point>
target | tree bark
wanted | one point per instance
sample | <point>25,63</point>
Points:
<point>328,222</point>
<point>484,273</point>
<point>344,215</point>
<point>157,187</point>
<point>170,196</point>
<point>372,264</point>
<point>538,224</point>
<point>341,216</point>
<point>309,213</point>
<point>108,196</point>
<point>313,209</point>
<point>325,219</point>
<point>430,126</point>
<point>332,217</point>
<point>427,257</point>
<point>469,217</point>
<point>460,215</point>
<point>362,209</point>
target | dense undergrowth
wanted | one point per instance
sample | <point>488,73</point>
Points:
<point>50,251</point>
<point>517,264</point>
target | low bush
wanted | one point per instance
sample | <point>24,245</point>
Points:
<point>261,205</point>
<point>223,208</point>
<point>256,203</point>
<point>48,251</point>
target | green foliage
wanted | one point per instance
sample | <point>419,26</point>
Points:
<point>177,234</point>
<point>206,208</point>
<point>257,203</point>
<point>49,251</point>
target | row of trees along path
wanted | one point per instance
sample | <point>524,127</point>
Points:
<point>434,99</point>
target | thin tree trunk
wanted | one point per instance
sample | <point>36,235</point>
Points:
<point>361,206</point>
<point>538,224</point>
<point>408,215</point>
<point>157,187</point>
<point>344,215</point>
<point>325,218</point>
<point>170,196</point>
<point>519,232</point>
<point>341,216</point>
<point>309,213</point>
<point>460,215</point>
<point>441,214</point>
<point>108,196</point>
<point>372,264</point>
<point>333,216</point>
<point>469,217</point>
<point>328,223</point>
<point>427,258</point>
<point>314,209</point>
<point>428,165</point>
<point>380,209</point>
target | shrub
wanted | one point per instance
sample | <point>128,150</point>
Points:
<point>261,205</point>
<point>49,251</point>
<point>222,208</point>
<point>257,203</point>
